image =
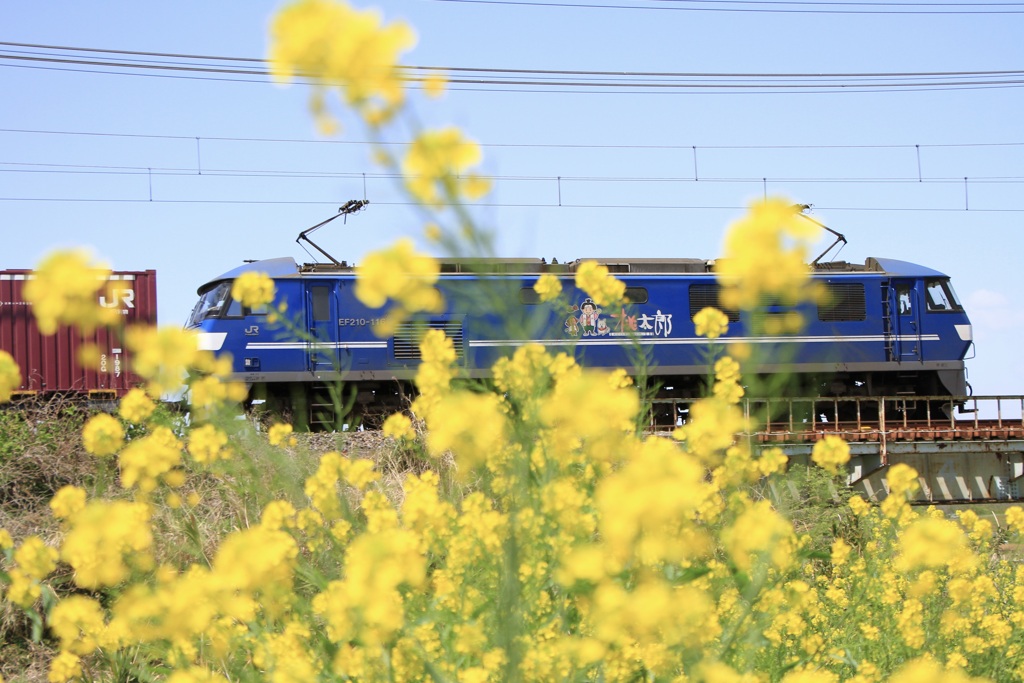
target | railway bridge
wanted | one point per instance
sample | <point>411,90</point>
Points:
<point>966,450</point>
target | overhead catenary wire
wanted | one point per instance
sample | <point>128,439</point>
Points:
<point>917,175</point>
<point>767,6</point>
<point>506,205</point>
<point>99,60</point>
<point>83,169</point>
<point>560,145</point>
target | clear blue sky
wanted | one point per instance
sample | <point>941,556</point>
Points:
<point>644,171</point>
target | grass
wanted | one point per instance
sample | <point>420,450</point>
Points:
<point>41,451</point>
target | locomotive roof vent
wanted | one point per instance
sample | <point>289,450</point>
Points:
<point>493,265</point>
<point>651,265</point>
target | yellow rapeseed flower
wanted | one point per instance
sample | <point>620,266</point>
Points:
<point>931,542</point>
<point>195,674</point>
<point>153,458</point>
<point>337,45</point>
<point>399,426</point>
<point>727,369</point>
<point>712,428</point>
<point>435,372</point>
<point>366,605</point>
<point>653,499</point>
<point>207,444</point>
<point>103,435</point>
<point>64,667</point>
<point>253,290</point>
<point>525,374</point>
<point>810,676</point>
<point>103,538</point>
<point>902,479</point>
<point>710,322</point>
<point>927,670</point>
<point>434,84</point>
<point>162,356</point>
<point>424,512</point>
<point>35,558</point>
<point>136,406</point>
<point>68,501</point>
<point>831,453</point>
<point>358,473</point>
<point>859,506</point>
<point>22,589</point>
<point>760,533</point>
<point>470,425</point>
<point>78,621</point>
<point>432,231</point>
<point>548,287</point>
<point>402,275</point>
<point>207,394</point>
<point>281,434</point>
<point>603,287</point>
<point>840,552</point>
<point>278,514</point>
<point>437,168</point>
<point>257,559</point>
<point>771,461</point>
<point>730,392</point>
<point>321,487</point>
<point>10,376</point>
<point>765,256</point>
<point>903,482</point>
<point>1014,517</point>
<point>589,407</point>
<point>65,289</point>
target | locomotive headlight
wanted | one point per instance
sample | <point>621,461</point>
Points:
<point>965,331</point>
<point>211,341</point>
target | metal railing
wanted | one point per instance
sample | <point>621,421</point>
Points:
<point>866,419</point>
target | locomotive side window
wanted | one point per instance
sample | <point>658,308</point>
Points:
<point>941,297</point>
<point>636,295</point>
<point>321,303</point>
<point>906,302</point>
<point>702,296</point>
<point>844,301</point>
<point>236,310</point>
<point>529,296</point>
<point>211,303</point>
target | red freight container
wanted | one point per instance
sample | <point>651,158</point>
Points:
<point>50,364</point>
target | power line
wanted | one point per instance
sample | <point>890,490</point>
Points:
<point>895,8</point>
<point>171,65</point>
<point>83,169</point>
<point>152,171</point>
<point>685,148</point>
<point>264,62</point>
<point>524,205</point>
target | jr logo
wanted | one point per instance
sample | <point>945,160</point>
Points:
<point>119,297</point>
<point>252,330</point>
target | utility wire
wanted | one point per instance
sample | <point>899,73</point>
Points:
<point>896,8</point>
<point>472,78</point>
<point>685,148</point>
<point>264,62</point>
<point>529,205</point>
<point>82,169</point>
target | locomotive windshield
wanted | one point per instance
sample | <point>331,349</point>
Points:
<point>941,297</point>
<point>211,303</point>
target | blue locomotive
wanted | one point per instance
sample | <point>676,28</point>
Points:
<point>890,328</point>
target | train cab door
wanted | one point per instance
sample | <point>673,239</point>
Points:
<point>906,320</point>
<point>322,319</point>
